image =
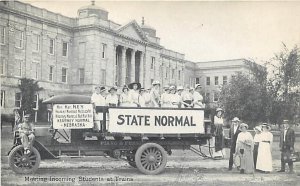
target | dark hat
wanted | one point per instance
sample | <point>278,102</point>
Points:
<point>125,87</point>
<point>131,85</point>
<point>113,88</point>
<point>102,89</point>
<point>142,89</point>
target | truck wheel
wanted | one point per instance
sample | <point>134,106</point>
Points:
<point>24,163</point>
<point>151,158</point>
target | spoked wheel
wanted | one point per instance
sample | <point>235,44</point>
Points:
<point>24,163</point>
<point>151,158</point>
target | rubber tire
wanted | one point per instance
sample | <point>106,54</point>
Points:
<point>139,152</point>
<point>26,171</point>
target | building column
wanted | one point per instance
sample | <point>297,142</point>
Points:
<point>123,62</point>
<point>142,68</point>
<point>132,68</point>
<point>115,71</point>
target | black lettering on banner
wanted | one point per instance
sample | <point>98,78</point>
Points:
<point>178,122</point>
<point>171,120</point>
<point>134,121</point>
<point>192,124</point>
<point>128,116</point>
<point>139,120</point>
<point>164,121</point>
<point>157,120</point>
<point>186,121</point>
<point>147,118</point>
<point>120,117</point>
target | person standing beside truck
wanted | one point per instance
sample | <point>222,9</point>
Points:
<point>233,134</point>
<point>26,132</point>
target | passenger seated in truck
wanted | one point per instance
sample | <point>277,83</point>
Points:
<point>26,132</point>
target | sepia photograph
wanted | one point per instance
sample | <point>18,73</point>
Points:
<point>150,92</point>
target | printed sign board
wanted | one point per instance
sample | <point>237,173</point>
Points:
<point>72,116</point>
<point>156,121</point>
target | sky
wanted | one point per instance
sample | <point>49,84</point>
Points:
<point>205,31</point>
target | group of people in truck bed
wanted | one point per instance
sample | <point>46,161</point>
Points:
<point>133,95</point>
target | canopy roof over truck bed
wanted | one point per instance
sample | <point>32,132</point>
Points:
<point>68,99</point>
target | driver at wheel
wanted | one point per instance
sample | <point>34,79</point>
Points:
<point>26,131</point>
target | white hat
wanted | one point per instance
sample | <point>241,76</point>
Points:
<point>236,119</point>
<point>180,88</point>
<point>197,85</point>
<point>172,87</point>
<point>155,83</point>
<point>257,128</point>
<point>219,109</point>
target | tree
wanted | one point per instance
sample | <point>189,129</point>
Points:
<point>284,85</point>
<point>243,97</point>
<point>29,89</point>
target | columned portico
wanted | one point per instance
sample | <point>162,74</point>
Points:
<point>128,65</point>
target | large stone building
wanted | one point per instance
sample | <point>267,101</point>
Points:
<point>72,55</point>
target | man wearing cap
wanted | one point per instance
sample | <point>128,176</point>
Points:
<point>98,99</point>
<point>286,144</point>
<point>197,97</point>
<point>154,93</point>
<point>26,131</point>
<point>233,134</point>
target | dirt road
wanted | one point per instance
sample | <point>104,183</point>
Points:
<point>183,168</point>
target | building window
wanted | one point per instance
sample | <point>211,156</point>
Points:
<point>173,73</point>
<point>207,97</point>
<point>81,51</point>
<point>216,96</point>
<point>51,46</point>
<point>207,80</point>
<point>103,53</point>
<point>34,69</point>
<point>2,35</point>
<point>36,42</point>
<point>2,98</point>
<point>81,75</point>
<point>197,80</point>
<point>51,68</point>
<point>103,76</point>
<point>19,36</point>
<point>18,100</point>
<point>18,71</point>
<point>167,70</point>
<point>36,102</point>
<point>224,80</point>
<point>191,81</point>
<point>64,75</point>
<point>179,74</point>
<point>216,80</point>
<point>152,62</point>
<point>2,66</point>
<point>65,49</point>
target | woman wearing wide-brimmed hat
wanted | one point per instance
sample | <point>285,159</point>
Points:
<point>218,133</point>
<point>244,149</point>
<point>134,93</point>
<point>112,98</point>
<point>197,97</point>
<point>264,155</point>
<point>125,99</point>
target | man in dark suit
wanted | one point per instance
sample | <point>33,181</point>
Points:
<point>286,144</point>
<point>233,134</point>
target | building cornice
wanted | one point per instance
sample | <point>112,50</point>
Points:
<point>37,18</point>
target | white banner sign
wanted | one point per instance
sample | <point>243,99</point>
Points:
<point>156,121</point>
<point>73,116</point>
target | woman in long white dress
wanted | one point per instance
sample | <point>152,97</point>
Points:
<point>134,93</point>
<point>264,156</point>
<point>244,149</point>
<point>219,134</point>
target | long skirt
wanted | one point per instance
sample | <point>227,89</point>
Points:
<point>247,163</point>
<point>264,157</point>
